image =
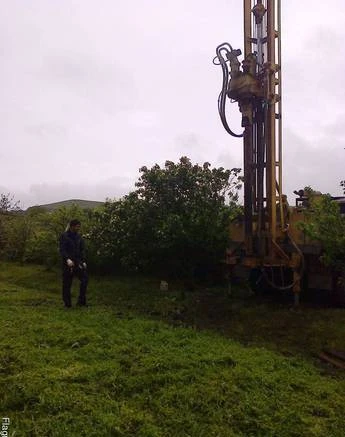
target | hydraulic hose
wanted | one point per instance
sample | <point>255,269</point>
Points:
<point>222,96</point>
<point>289,286</point>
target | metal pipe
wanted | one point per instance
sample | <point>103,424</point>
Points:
<point>247,27</point>
<point>248,199</point>
<point>271,152</point>
<point>280,124</point>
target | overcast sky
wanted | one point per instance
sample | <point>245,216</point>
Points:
<point>93,90</point>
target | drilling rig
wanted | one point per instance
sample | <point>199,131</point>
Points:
<point>263,240</point>
<point>267,239</point>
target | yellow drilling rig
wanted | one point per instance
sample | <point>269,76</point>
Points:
<point>267,238</point>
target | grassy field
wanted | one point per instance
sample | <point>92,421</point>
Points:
<point>140,362</point>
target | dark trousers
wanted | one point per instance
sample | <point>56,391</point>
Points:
<point>67,278</point>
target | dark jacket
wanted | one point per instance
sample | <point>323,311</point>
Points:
<point>72,246</point>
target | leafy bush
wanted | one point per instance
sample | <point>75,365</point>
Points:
<point>175,222</point>
<point>43,249</point>
<point>326,225</point>
<point>33,236</point>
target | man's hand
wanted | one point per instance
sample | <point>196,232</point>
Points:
<point>70,263</point>
<point>84,265</point>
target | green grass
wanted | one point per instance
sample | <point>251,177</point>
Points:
<point>129,365</point>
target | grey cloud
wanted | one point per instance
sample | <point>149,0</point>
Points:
<point>46,130</point>
<point>100,81</point>
<point>93,90</point>
<point>187,141</point>
<point>313,78</point>
<point>47,192</point>
<point>229,160</point>
<point>318,165</point>
<point>113,188</point>
<point>335,131</point>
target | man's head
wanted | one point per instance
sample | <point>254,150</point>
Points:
<point>74,225</point>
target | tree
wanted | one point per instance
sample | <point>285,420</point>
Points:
<point>8,211</point>
<point>176,221</point>
<point>326,225</point>
<point>19,232</point>
<point>8,204</point>
<point>120,234</point>
<point>342,184</point>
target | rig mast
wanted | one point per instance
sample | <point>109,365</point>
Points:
<point>257,88</point>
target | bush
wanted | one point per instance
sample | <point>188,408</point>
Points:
<point>43,249</point>
<point>175,223</point>
<point>327,226</point>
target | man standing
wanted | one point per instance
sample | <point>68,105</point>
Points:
<point>72,250</point>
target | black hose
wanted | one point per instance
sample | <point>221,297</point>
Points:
<point>275,286</point>
<point>286,287</point>
<point>222,95</point>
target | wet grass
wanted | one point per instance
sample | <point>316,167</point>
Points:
<point>140,362</point>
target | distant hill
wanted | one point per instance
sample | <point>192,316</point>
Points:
<point>85,204</point>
